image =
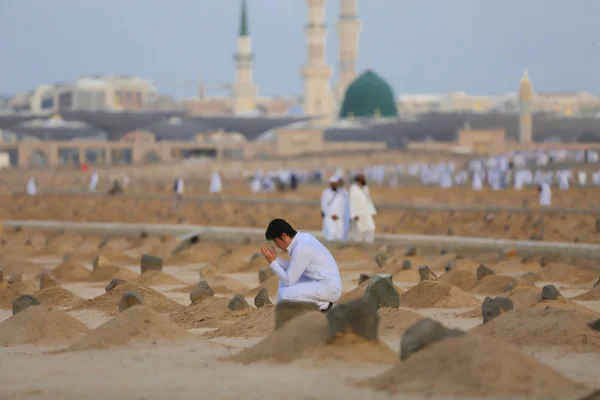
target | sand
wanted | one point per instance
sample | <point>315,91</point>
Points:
<point>137,324</point>
<point>70,271</point>
<point>271,284</point>
<point>202,314</point>
<point>155,278</point>
<point>106,273</point>
<point>249,323</point>
<point>358,292</point>
<point>548,323</point>
<point>57,296</point>
<point>16,264</point>
<point>436,294</point>
<point>564,273</point>
<point>197,254</point>
<point>41,325</point>
<point>11,292</point>
<point>109,302</point>
<point>475,366</point>
<point>395,321</point>
<point>462,279</point>
<point>591,295</point>
<point>495,285</point>
<point>305,337</point>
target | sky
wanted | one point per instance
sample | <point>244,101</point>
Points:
<point>418,46</point>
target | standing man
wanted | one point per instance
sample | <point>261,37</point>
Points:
<point>178,192</point>
<point>311,275</point>
<point>215,183</point>
<point>326,198</point>
<point>333,209</point>
<point>362,210</point>
<point>94,181</point>
<point>346,218</point>
<point>545,194</point>
<point>31,187</point>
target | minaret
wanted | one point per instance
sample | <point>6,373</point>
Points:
<point>348,28</point>
<point>525,109</point>
<point>316,72</point>
<point>244,90</point>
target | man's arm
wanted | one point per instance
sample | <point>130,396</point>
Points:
<point>283,263</point>
<point>297,266</point>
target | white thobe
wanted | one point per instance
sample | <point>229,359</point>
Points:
<point>335,208</point>
<point>362,206</point>
<point>445,180</point>
<point>347,218</point>
<point>596,178</point>
<point>519,180</point>
<point>215,183</point>
<point>582,178</point>
<point>311,275</point>
<point>545,195</point>
<point>326,198</point>
<point>256,185</point>
<point>31,187</point>
<point>179,186</point>
<point>563,180</point>
<point>476,181</point>
<point>93,182</point>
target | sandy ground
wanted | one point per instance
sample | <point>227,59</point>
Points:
<point>179,369</point>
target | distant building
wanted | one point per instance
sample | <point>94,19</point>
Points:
<point>369,96</point>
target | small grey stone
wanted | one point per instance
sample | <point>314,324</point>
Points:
<point>144,235</point>
<point>576,240</point>
<point>595,325</point>
<point>411,251</point>
<point>22,302</point>
<point>598,226</point>
<point>525,259</point>
<point>255,256</point>
<point>15,277</point>
<point>450,232</point>
<point>113,284</point>
<point>1,275</point>
<point>130,298</point>
<point>66,257</point>
<point>422,334</point>
<point>550,292</point>
<point>47,279</point>
<point>426,274</point>
<point>406,265</point>
<point>381,292</point>
<point>484,271</point>
<point>493,307</point>
<point>262,298</point>
<point>383,256</point>
<point>362,278</point>
<point>287,310</point>
<point>506,228</point>
<point>358,316</point>
<point>238,302</point>
<point>595,283</point>
<point>151,263</point>
<point>443,251</point>
<point>536,236</point>
<point>201,291</point>
<point>450,265</point>
<point>538,222</point>
<point>265,274</point>
<point>545,260</point>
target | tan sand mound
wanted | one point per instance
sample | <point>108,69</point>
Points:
<point>119,256</point>
<point>357,293</point>
<point>153,278</point>
<point>592,295</point>
<point>16,264</point>
<point>305,337</point>
<point>436,294</point>
<point>109,302</point>
<point>271,284</point>
<point>351,255</point>
<point>63,243</point>
<point>248,323</point>
<point>70,271</point>
<point>41,325</point>
<point>395,321</point>
<point>219,284</point>
<point>57,296</point>
<point>197,254</point>
<point>138,324</point>
<point>235,260</point>
<point>470,366</point>
<point>462,279</point>
<point>495,284</point>
<point>202,314</point>
<point>548,323</point>
<point>564,273</point>
<point>12,291</point>
<point>105,273</point>
<point>522,297</point>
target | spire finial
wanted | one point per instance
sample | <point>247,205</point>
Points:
<point>525,72</point>
<point>244,31</point>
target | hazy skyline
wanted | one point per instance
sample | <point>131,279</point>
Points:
<point>418,46</point>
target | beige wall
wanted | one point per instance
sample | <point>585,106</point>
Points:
<point>300,141</point>
<point>482,141</point>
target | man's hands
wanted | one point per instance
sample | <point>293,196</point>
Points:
<point>268,253</point>
<point>356,218</point>
<point>334,217</point>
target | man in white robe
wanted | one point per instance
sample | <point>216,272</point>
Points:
<point>94,181</point>
<point>545,194</point>
<point>362,210</point>
<point>582,178</point>
<point>31,187</point>
<point>477,184</point>
<point>334,209</point>
<point>347,219</point>
<point>326,198</point>
<point>177,192</point>
<point>563,179</point>
<point>215,183</point>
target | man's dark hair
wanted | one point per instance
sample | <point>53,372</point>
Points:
<point>277,228</point>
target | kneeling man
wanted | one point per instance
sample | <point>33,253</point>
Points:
<point>311,275</point>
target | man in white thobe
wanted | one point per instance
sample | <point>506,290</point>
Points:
<point>94,181</point>
<point>326,198</point>
<point>545,194</point>
<point>333,205</point>
<point>215,183</point>
<point>582,178</point>
<point>31,187</point>
<point>178,192</point>
<point>311,274</point>
<point>347,219</point>
<point>477,181</point>
<point>563,177</point>
<point>362,210</point>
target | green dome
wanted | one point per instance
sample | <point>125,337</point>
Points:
<point>369,96</point>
